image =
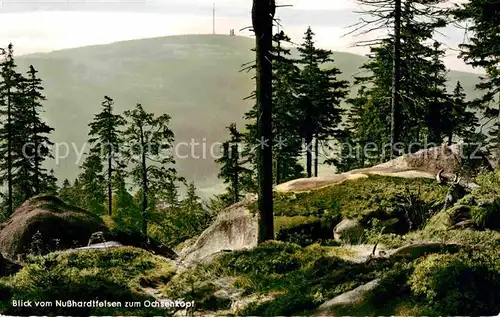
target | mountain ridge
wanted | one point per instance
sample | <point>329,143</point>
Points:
<point>197,79</point>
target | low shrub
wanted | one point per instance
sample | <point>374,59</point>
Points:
<point>113,275</point>
<point>199,284</point>
<point>307,232</point>
<point>362,199</point>
<point>465,283</point>
<point>488,216</point>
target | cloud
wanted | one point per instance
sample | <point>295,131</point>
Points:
<point>320,4</point>
<point>173,6</point>
<point>318,18</point>
<point>47,31</point>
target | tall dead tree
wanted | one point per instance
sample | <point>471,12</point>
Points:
<point>262,21</point>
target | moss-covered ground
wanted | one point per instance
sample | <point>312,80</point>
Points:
<point>298,277</point>
<point>114,275</point>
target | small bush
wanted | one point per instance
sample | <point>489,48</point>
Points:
<point>465,283</point>
<point>91,275</point>
<point>199,284</point>
<point>488,216</point>
<point>270,257</point>
<point>306,233</point>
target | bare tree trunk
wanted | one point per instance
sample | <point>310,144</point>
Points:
<point>316,160</point>
<point>396,80</point>
<point>262,20</point>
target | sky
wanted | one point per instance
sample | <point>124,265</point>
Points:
<point>47,25</point>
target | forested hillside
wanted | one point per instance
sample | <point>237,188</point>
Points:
<point>162,74</point>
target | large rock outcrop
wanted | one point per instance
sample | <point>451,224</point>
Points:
<point>235,228</point>
<point>421,164</point>
<point>46,224</point>
<point>447,158</point>
<point>54,224</point>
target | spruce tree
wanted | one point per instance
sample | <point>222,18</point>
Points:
<point>422,95</point>
<point>353,138</point>
<point>320,95</point>
<point>409,25</point>
<point>286,79</point>
<point>21,150</point>
<point>65,192</point>
<point>92,184</point>
<point>150,140</point>
<point>72,193</point>
<point>169,192</point>
<point>194,217</point>
<point>192,201</point>
<point>105,137</point>
<point>232,169</point>
<point>460,121</point>
<point>437,98</point>
<point>483,50</point>
<point>27,142</point>
<point>387,14</point>
<point>287,139</point>
<point>39,133</point>
<point>126,210</point>
<point>374,108</point>
<point>10,80</point>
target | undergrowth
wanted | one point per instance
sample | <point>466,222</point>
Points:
<point>114,275</point>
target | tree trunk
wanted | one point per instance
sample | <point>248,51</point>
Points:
<point>36,158</point>
<point>498,133</point>
<point>316,150</point>
<point>144,186</point>
<point>110,191</point>
<point>27,191</point>
<point>362,155</point>
<point>236,185</point>
<point>396,80</point>
<point>279,170</point>
<point>309,141</point>
<point>434,120</point>
<point>262,20</point>
<point>9,154</point>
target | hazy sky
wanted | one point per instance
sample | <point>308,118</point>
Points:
<point>46,25</point>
